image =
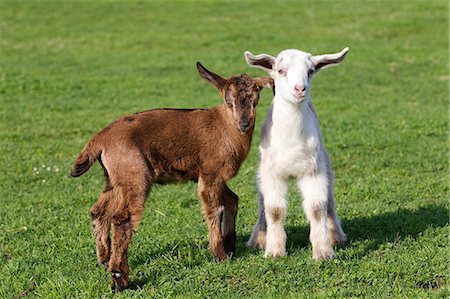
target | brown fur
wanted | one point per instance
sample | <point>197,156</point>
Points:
<point>171,145</point>
<point>276,214</point>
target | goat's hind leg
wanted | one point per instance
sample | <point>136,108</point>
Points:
<point>128,213</point>
<point>229,221</point>
<point>337,235</point>
<point>101,222</point>
<point>258,237</point>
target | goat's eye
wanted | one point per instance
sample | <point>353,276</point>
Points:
<point>228,99</point>
<point>282,72</point>
<point>310,72</point>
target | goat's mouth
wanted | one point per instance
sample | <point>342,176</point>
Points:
<point>244,125</point>
<point>243,129</point>
<point>299,97</point>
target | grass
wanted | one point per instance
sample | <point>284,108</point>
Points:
<point>67,69</point>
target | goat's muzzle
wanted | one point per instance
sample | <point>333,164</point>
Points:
<point>244,126</point>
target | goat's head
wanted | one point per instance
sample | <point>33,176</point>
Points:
<point>293,70</point>
<point>240,94</point>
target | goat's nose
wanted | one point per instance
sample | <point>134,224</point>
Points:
<point>244,123</point>
<point>299,88</point>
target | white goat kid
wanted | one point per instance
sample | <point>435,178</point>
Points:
<point>291,146</point>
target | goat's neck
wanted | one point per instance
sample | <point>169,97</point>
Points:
<point>288,116</point>
<point>230,130</point>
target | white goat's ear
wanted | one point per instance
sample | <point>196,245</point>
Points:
<point>327,60</point>
<point>261,61</point>
<point>209,76</point>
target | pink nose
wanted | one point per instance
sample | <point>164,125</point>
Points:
<point>299,89</point>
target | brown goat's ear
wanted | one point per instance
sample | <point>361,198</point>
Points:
<point>209,76</point>
<point>265,82</point>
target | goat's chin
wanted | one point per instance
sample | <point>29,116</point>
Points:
<point>290,98</point>
<point>298,98</point>
<point>295,100</point>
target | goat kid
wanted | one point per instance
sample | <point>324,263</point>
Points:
<point>169,145</point>
<point>291,146</point>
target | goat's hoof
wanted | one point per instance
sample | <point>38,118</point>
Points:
<point>324,254</point>
<point>230,253</point>
<point>119,282</point>
<point>116,288</point>
<point>257,240</point>
<point>105,264</point>
<point>338,239</point>
<point>230,248</point>
<point>220,256</point>
<point>275,253</point>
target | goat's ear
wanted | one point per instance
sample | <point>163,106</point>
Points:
<point>261,61</point>
<point>265,82</point>
<point>327,60</point>
<point>209,76</point>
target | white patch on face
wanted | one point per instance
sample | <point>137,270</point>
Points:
<point>292,74</point>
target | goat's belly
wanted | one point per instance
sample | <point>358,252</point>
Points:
<point>174,173</point>
<point>174,177</point>
<point>165,168</point>
<point>292,164</point>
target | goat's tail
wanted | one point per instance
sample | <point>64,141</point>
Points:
<point>90,153</point>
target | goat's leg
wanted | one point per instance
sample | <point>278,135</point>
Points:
<point>230,200</point>
<point>101,222</point>
<point>274,190</point>
<point>258,237</point>
<point>125,222</point>
<point>337,235</point>
<point>314,189</point>
<point>210,191</point>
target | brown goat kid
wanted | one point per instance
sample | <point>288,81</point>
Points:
<point>171,145</point>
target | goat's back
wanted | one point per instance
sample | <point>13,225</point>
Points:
<point>176,144</point>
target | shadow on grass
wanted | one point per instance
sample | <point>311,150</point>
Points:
<point>378,229</point>
<point>394,226</point>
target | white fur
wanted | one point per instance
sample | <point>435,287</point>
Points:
<point>291,146</point>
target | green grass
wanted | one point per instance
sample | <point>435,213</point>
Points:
<point>67,69</point>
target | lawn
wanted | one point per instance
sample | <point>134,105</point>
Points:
<point>67,69</point>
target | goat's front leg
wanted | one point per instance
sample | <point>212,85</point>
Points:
<point>314,189</point>
<point>210,192</point>
<point>274,190</point>
<point>230,200</point>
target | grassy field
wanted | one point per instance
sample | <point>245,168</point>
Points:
<point>67,69</point>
